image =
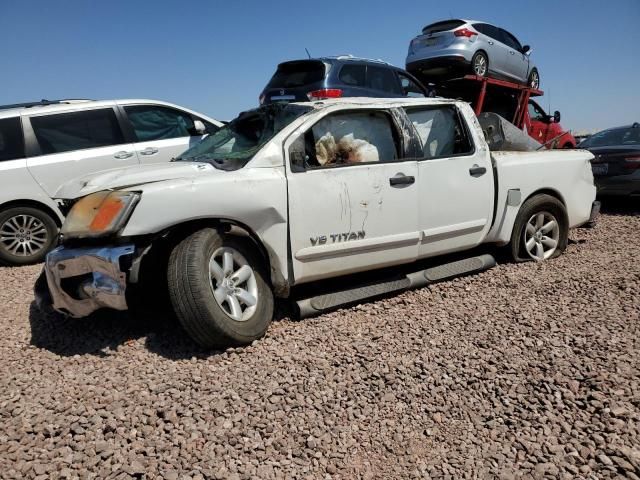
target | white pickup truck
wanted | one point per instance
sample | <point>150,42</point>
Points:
<point>290,194</point>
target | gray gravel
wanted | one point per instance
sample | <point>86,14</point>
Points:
<point>525,371</point>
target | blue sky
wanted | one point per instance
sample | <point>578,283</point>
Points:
<point>215,57</point>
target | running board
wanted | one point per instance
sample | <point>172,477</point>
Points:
<point>329,301</point>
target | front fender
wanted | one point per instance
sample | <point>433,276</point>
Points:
<point>255,197</point>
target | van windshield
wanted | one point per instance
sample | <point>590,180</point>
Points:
<point>231,147</point>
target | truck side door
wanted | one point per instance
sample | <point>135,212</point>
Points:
<point>456,180</point>
<point>352,196</point>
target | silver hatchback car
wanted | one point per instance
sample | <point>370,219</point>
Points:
<point>453,47</point>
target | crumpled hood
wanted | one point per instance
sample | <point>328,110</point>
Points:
<point>131,176</point>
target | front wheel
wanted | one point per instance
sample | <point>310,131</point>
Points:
<point>541,229</point>
<point>26,235</point>
<point>534,79</point>
<point>218,289</point>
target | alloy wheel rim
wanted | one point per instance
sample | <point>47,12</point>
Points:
<point>233,283</point>
<point>541,236</point>
<point>23,235</point>
<point>535,80</point>
<point>480,65</point>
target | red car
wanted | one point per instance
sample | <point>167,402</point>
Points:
<point>546,129</point>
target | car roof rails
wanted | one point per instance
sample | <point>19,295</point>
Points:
<point>352,57</point>
<point>45,102</point>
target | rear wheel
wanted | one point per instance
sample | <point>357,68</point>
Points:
<point>534,79</point>
<point>480,64</point>
<point>541,229</point>
<point>218,289</point>
<point>26,235</point>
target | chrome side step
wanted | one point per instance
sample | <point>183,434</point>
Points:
<point>329,301</point>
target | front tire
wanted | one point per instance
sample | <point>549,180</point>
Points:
<point>218,289</point>
<point>480,64</point>
<point>534,79</point>
<point>26,235</point>
<point>541,229</point>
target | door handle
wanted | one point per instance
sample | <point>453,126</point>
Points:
<point>512,52</point>
<point>401,179</point>
<point>490,42</point>
<point>149,151</point>
<point>477,171</point>
<point>122,155</point>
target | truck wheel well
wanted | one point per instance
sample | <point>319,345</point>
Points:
<point>34,204</point>
<point>176,233</point>
<point>547,191</point>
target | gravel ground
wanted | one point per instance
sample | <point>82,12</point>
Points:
<point>524,371</point>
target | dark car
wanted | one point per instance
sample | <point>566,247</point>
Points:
<point>616,166</point>
<point>344,76</point>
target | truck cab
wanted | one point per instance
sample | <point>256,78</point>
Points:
<point>546,128</point>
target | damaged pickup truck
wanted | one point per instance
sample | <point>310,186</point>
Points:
<point>289,194</point>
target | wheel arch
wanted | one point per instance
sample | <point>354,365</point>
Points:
<point>547,191</point>
<point>177,232</point>
<point>486,55</point>
<point>55,216</point>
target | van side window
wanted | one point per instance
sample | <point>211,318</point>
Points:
<point>383,79</point>
<point>440,131</point>
<point>11,141</point>
<point>353,75</point>
<point>351,138</point>
<point>155,122</point>
<point>65,132</point>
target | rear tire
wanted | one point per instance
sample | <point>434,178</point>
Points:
<point>480,64</point>
<point>26,235</point>
<point>541,229</point>
<point>218,289</point>
<point>534,79</point>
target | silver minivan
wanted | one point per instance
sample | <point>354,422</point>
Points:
<point>45,144</point>
<point>456,47</point>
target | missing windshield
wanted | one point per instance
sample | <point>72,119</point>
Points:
<point>231,147</point>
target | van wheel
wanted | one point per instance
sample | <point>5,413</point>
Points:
<point>541,229</point>
<point>534,79</point>
<point>480,64</point>
<point>218,289</point>
<point>26,235</point>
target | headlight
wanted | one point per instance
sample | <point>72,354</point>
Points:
<point>99,214</point>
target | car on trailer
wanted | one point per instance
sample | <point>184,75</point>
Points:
<point>452,48</point>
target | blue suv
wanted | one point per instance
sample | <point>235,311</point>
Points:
<point>343,76</point>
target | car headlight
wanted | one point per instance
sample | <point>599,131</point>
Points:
<point>99,214</point>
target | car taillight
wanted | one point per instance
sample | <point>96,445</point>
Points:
<point>324,93</point>
<point>464,32</point>
<point>632,163</point>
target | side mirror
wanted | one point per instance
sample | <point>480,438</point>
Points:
<point>556,116</point>
<point>199,127</point>
<point>526,50</point>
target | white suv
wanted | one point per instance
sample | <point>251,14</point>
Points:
<point>45,144</point>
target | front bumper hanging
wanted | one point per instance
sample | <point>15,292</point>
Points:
<point>83,280</point>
